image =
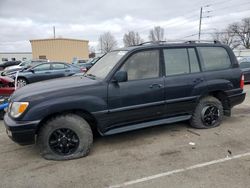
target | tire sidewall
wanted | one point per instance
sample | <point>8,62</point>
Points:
<point>196,120</point>
<point>76,124</point>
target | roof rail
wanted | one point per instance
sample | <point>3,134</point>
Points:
<point>206,41</point>
<point>179,41</point>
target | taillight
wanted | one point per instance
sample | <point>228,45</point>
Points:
<point>242,80</point>
<point>83,70</point>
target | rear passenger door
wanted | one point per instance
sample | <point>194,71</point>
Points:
<point>184,81</point>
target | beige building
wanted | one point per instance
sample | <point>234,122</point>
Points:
<point>60,49</point>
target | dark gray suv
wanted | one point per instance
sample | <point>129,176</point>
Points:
<point>127,89</point>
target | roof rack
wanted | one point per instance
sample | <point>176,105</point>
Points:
<point>205,41</point>
<point>180,41</point>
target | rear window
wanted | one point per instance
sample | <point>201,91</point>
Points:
<point>214,58</point>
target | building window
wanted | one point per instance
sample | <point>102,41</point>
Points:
<point>42,57</point>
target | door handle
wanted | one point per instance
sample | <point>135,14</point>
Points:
<point>67,70</point>
<point>47,72</point>
<point>198,80</point>
<point>156,85</point>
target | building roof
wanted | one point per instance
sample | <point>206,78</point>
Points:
<point>49,39</point>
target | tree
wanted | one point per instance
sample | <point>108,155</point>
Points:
<point>156,34</point>
<point>107,42</point>
<point>227,36</point>
<point>132,38</point>
<point>242,30</point>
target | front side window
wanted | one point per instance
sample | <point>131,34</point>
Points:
<point>42,67</point>
<point>142,65</point>
<point>214,58</point>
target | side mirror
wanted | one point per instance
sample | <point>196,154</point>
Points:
<point>32,70</point>
<point>121,76</point>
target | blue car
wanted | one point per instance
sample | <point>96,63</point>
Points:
<point>45,71</point>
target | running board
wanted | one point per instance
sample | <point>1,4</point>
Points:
<point>146,124</point>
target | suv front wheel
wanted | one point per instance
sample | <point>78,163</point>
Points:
<point>65,137</point>
<point>208,113</point>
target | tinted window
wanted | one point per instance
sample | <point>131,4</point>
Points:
<point>176,61</point>
<point>194,64</point>
<point>214,58</point>
<point>58,66</point>
<point>42,67</point>
<point>245,65</point>
<point>142,65</point>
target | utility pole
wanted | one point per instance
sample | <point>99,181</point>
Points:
<point>199,36</point>
<point>54,31</point>
<point>202,16</point>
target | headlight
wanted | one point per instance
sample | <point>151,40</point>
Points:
<point>17,108</point>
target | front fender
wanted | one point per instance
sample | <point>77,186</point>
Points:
<point>87,103</point>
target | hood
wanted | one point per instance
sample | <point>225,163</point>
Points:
<point>52,88</point>
<point>12,67</point>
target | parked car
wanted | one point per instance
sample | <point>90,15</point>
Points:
<point>127,89</point>
<point>78,61</point>
<point>45,71</point>
<point>21,66</point>
<point>245,67</point>
<point>86,66</point>
<point>8,63</point>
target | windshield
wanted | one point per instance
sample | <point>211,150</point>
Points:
<point>104,65</point>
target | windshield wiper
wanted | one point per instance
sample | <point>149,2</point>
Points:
<point>90,76</point>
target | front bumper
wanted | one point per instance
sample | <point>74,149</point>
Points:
<point>21,132</point>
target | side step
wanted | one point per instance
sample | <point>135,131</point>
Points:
<point>146,124</point>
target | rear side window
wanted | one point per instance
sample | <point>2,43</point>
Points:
<point>244,65</point>
<point>194,64</point>
<point>214,58</point>
<point>180,61</point>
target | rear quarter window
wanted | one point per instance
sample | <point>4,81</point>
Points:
<point>214,58</point>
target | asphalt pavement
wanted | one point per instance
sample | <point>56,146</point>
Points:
<point>164,156</point>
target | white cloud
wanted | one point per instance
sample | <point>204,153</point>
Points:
<point>24,20</point>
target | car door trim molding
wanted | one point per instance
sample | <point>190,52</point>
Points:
<point>134,107</point>
<point>184,99</point>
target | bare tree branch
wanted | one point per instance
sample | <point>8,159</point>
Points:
<point>242,30</point>
<point>156,34</point>
<point>107,42</point>
<point>228,37</point>
<point>132,38</point>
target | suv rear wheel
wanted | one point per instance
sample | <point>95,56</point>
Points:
<point>208,113</point>
<point>65,137</point>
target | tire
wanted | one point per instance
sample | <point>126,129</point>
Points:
<point>208,113</point>
<point>21,82</point>
<point>2,112</point>
<point>77,129</point>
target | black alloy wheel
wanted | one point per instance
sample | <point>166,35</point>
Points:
<point>210,115</point>
<point>63,141</point>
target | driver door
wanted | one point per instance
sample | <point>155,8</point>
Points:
<point>141,97</point>
<point>41,72</point>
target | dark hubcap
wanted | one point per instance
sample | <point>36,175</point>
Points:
<point>64,141</point>
<point>210,115</point>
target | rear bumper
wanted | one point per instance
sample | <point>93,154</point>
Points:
<point>21,132</point>
<point>236,99</point>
